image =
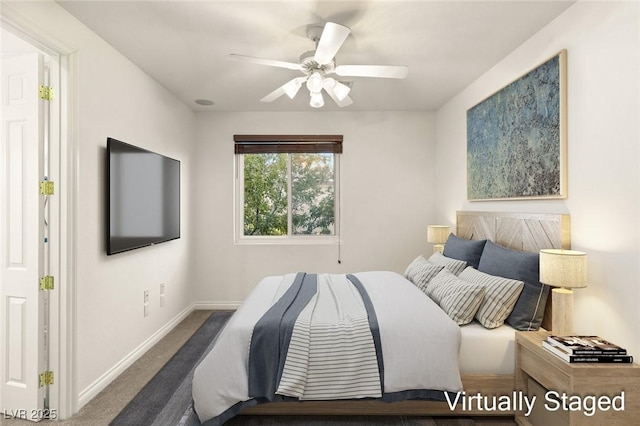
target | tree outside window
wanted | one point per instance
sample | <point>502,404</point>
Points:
<point>287,188</point>
<point>276,185</point>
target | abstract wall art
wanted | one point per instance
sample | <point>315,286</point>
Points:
<point>516,138</point>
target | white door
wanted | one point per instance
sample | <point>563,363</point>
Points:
<point>22,349</point>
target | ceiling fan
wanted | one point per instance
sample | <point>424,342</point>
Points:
<point>318,65</point>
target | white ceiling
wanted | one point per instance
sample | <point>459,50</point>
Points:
<point>185,45</point>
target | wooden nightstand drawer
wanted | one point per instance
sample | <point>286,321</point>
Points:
<point>539,414</point>
<point>548,375</point>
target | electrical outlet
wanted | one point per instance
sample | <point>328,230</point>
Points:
<point>146,302</point>
<point>162,295</point>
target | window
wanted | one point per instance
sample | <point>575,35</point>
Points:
<point>287,187</point>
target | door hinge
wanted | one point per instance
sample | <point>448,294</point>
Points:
<point>46,283</point>
<point>46,378</point>
<point>46,93</point>
<point>46,187</point>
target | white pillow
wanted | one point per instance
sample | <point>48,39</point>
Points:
<point>458,298</point>
<point>500,296</point>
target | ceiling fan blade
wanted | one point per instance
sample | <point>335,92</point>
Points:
<point>329,85</point>
<point>273,95</point>
<point>268,62</point>
<point>290,88</point>
<point>382,71</point>
<point>332,38</point>
<point>346,101</point>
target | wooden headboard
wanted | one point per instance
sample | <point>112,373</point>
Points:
<point>518,231</point>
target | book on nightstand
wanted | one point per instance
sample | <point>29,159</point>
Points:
<point>586,345</point>
<point>586,349</point>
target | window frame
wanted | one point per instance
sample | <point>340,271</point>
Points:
<point>288,144</point>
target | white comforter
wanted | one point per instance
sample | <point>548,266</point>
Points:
<point>420,343</point>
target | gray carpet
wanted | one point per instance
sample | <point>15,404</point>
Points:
<point>167,396</point>
<point>166,399</point>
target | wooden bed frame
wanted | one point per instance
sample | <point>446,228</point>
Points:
<point>518,231</point>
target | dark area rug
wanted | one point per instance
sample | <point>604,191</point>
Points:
<point>360,421</point>
<point>166,399</point>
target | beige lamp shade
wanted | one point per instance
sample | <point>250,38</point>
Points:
<point>563,268</point>
<point>437,234</point>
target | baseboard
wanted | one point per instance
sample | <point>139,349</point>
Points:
<point>216,306</point>
<point>103,381</point>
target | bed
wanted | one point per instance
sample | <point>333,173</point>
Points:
<point>485,357</point>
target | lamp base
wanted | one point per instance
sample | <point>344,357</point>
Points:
<point>438,248</point>
<point>561,311</point>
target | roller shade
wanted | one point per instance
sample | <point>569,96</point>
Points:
<point>289,144</point>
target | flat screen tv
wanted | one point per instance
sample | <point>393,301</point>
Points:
<point>143,200</point>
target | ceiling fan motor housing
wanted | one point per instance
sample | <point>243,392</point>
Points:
<point>308,64</point>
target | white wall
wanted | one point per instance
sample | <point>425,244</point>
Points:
<point>602,42</point>
<point>387,192</point>
<point>117,99</point>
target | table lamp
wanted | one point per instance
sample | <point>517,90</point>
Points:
<point>437,234</point>
<point>563,269</point>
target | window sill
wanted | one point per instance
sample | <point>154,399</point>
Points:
<point>291,241</point>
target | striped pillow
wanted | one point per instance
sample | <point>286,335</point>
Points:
<point>415,262</point>
<point>459,299</point>
<point>420,272</point>
<point>500,297</point>
<point>454,265</point>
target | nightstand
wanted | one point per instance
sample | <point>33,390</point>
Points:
<point>566,393</point>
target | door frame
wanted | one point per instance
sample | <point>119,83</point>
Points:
<point>63,171</point>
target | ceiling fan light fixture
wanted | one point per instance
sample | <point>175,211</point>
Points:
<point>314,82</point>
<point>341,90</point>
<point>317,101</point>
<point>292,87</point>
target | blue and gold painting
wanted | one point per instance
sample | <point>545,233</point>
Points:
<point>516,138</point>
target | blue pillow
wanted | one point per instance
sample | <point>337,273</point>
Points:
<point>462,249</point>
<point>522,266</point>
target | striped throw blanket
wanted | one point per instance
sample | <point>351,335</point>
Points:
<point>331,353</point>
<point>319,341</point>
